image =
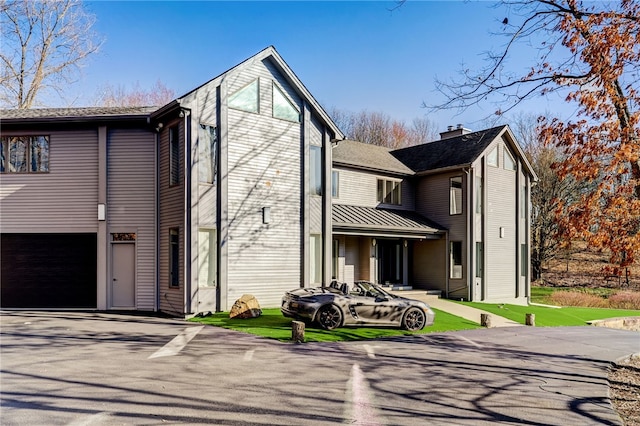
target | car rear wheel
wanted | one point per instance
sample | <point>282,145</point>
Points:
<point>414,319</point>
<point>329,317</point>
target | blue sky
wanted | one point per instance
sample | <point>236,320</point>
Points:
<point>350,55</point>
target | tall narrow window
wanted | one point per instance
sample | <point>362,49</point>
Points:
<point>479,194</point>
<point>207,258</point>
<point>479,259</point>
<point>315,259</point>
<point>335,247</point>
<point>282,106</point>
<point>524,260</point>
<point>455,259</point>
<point>315,170</point>
<point>174,257</point>
<point>335,184</point>
<point>455,195</point>
<point>39,154</point>
<point>246,98</point>
<point>207,154</point>
<point>174,156</point>
<point>4,143</point>
<point>523,202</point>
<point>18,151</point>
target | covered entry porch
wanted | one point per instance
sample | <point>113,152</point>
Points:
<point>388,247</point>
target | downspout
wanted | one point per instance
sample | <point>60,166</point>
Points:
<point>187,232</point>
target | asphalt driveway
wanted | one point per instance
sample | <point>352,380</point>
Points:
<point>104,369</point>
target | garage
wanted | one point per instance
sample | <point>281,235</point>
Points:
<point>48,271</point>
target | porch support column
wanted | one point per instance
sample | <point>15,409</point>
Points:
<point>222,206</point>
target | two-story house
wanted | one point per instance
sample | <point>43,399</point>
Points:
<point>450,215</point>
<point>229,189</point>
<point>180,209</point>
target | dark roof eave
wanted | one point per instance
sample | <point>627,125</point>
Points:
<point>444,169</point>
<point>165,110</point>
<point>372,169</point>
<point>78,119</point>
<point>385,230</point>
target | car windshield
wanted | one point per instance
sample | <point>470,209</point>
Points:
<point>372,290</point>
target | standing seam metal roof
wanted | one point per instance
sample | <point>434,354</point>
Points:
<point>358,218</point>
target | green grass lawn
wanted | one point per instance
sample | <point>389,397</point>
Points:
<point>273,325</point>
<point>552,317</point>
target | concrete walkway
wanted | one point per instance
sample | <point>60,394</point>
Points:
<point>466,312</point>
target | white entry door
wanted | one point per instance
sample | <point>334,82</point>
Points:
<point>123,273</point>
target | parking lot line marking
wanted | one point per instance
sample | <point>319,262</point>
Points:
<point>248,355</point>
<point>370,351</point>
<point>477,345</point>
<point>359,410</point>
<point>177,343</point>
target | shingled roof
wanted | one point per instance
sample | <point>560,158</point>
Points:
<point>456,151</point>
<point>367,156</point>
<point>86,113</point>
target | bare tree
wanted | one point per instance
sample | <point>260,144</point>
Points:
<point>378,128</point>
<point>44,44</point>
<point>159,94</point>
<point>590,53</point>
<point>423,130</point>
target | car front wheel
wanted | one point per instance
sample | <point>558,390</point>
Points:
<point>329,317</point>
<point>414,320</point>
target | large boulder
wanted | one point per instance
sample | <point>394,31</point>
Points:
<point>245,307</point>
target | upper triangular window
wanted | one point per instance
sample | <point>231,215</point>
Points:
<point>245,99</point>
<point>509,162</point>
<point>282,106</point>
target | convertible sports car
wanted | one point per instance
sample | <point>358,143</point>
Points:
<point>364,303</point>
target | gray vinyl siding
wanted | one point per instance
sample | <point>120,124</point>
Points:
<point>264,171</point>
<point>264,163</point>
<point>432,201</point>
<point>501,212</point>
<point>132,202</point>
<point>63,200</point>
<point>360,188</point>
<point>171,215</point>
<point>430,265</point>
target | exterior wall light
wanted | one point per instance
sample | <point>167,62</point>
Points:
<point>102,212</point>
<point>266,215</point>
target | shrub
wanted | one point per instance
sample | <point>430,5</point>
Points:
<point>625,300</point>
<point>574,298</point>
